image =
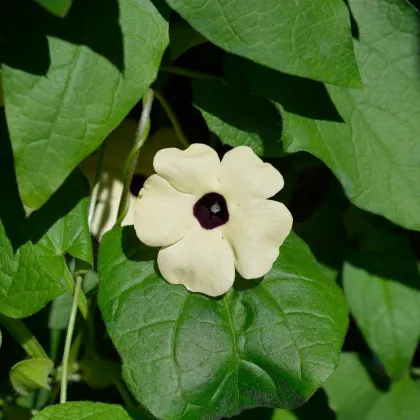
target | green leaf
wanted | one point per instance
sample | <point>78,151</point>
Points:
<point>68,82</point>
<point>383,292</point>
<point>70,233</point>
<point>29,375</point>
<point>182,38</point>
<point>190,356</point>
<point>31,272</point>
<point>58,7</point>
<point>87,410</point>
<point>309,38</point>
<point>402,402</point>
<point>238,118</point>
<point>350,389</point>
<point>369,139</point>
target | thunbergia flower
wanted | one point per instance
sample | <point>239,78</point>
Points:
<point>210,216</point>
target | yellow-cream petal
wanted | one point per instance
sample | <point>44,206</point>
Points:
<point>255,231</point>
<point>194,170</point>
<point>162,214</point>
<point>202,261</point>
<point>245,177</point>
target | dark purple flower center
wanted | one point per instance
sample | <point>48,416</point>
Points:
<point>211,210</point>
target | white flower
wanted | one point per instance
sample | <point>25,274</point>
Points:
<point>210,216</point>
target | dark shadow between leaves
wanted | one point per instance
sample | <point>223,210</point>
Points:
<point>296,95</point>
<point>354,26</point>
<point>135,250</point>
<point>26,26</point>
<point>12,214</point>
<point>396,263</point>
<point>20,229</point>
<point>246,112</point>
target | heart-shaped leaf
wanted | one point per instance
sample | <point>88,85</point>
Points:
<point>69,81</point>
<point>186,355</point>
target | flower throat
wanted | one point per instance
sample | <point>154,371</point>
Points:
<point>211,211</point>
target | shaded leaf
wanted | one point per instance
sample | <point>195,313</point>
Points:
<point>87,74</point>
<point>70,233</point>
<point>401,402</point>
<point>238,118</point>
<point>182,38</point>
<point>351,391</point>
<point>308,38</point>
<point>58,7</point>
<point>190,356</point>
<point>382,289</point>
<point>29,375</point>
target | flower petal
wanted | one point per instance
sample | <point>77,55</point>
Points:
<point>245,177</point>
<point>194,170</point>
<point>255,231</point>
<point>202,261</point>
<point>162,214</point>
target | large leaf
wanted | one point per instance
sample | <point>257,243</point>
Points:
<point>69,81</point>
<point>238,118</point>
<point>383,292</point>
<point>309,38</point>
<point>87,410</point>
<point>190,356</point>
<point>371,142</point>
<point>350,389</point>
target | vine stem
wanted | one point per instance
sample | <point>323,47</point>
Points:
<point>67,345</point>
<point>194,74</point>
<point>131,161</point>
<point>96,184</point>
<point>81,297</point>
<point>173,119</point>
<point>24,337</point>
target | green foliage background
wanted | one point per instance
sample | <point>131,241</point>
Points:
<point>328,91</point>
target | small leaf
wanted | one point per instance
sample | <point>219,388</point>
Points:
<point>309,38</point>
<point>87,410</point>
<point>239,119</point>
<point>402,402</point>
<point>31,374</point>
<point>58,7</point>
<point>190,356</point>
<point>182,38</point>
<point>69,81</point>
<point>70,233</point>
<point>383,292</point>
<point>351,391</point>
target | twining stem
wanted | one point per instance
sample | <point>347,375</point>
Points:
<point>67,345</point>
<point>81,297</point>
<point>194,74</point>
<point>131,161</point>
<point>96,184</point>
<point>24,337</point>
<point>173,119</point>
